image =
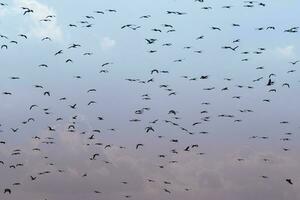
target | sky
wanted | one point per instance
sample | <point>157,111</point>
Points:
<point>219,131</point>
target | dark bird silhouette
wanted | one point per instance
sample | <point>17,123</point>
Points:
<point>14,129</point>
<point>215,28</point>
<point>295,62</point>
<point>4,46</point>
<point>27,10</point>
<point>73,106</point>
<point>7,191</point>
<point>149,128</point>
<point>50,128</point>
<point>46,38</point>
<point>91,102</point>
<point>270,82</point>
<point>138,145</point>
<point>167,191</point>
<point>286,84</point>
<point>58,52</point>
<point>95,155</point>
<point>47,93</point>
<point>22,35</point>
<point>289,181</point>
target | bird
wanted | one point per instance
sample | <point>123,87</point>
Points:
<point>151,40</point>
<point>43,65</point>
<point>23,35</point>
<point>85,105</point>
<point>7,190</point>
<point>270,82</point>
<point>215,28</point>
<point>295,62</point>
<point>14,129</point>
<point>167,191</point>
<point>149,128</point>
<point>145,16</point>
<point>47,93</point>
<point>91,102</point>
<point>46,38</point>
<point>32,106</point>
<point>4,46</point>
<point>172,112</point>
<point>58,52</point>
<point>27,10</point>
<point>288,180</point>
<point>69,61</point>
<point>286,84</point>
<point>138,145</point>
<point>154,71</point>
<point>94,156</point>
<point>73,106</point>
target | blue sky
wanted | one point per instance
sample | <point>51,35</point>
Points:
<point>216,174</point>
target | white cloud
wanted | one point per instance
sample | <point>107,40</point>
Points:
<point>287,52</point>
<point>41,11</point>
<point>3,11</point>
<point>107,43</point>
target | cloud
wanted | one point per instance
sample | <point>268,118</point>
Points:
<point>107,43</point>
<point>287,52</point>
<point>41,11</point>
<point>207,177</point>
<point>3,11</point>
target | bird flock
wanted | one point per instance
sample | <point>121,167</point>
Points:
<point>175,107</point>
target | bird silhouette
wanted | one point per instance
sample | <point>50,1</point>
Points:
<point>85,92</point>
<point>138,145</point>
<point>7,191</point>
<point>289,181</point>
